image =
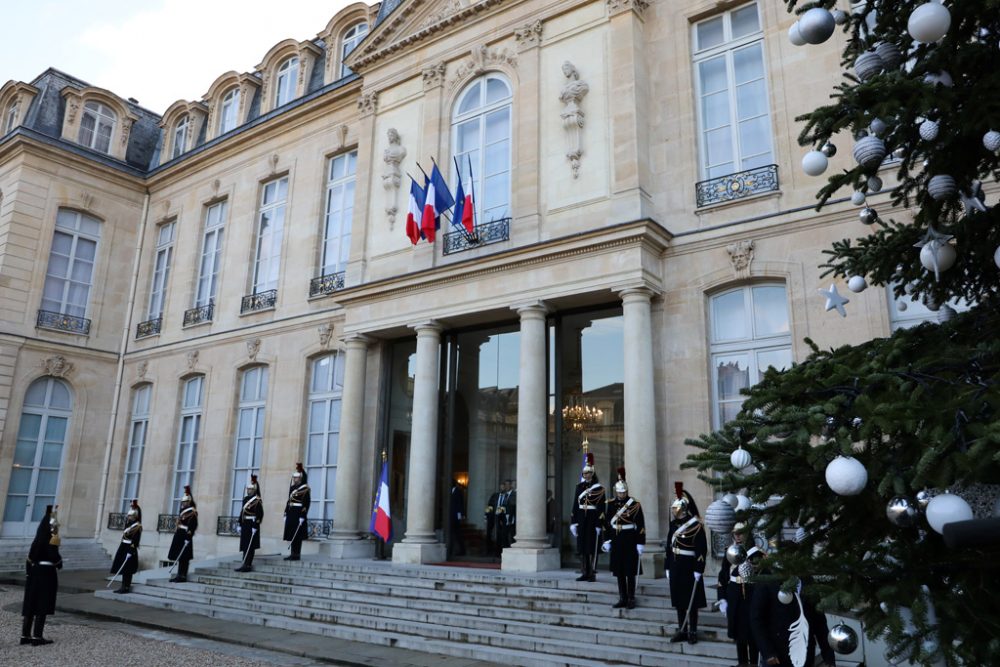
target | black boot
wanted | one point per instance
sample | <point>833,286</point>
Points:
<point>630,583</point>
<point>26,630</point>
<point>37,639</point>
<point>693,628</point>
<point>622,595</point>
<point>681,633</point>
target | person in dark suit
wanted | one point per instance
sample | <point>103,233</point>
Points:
<point>296,511</point>
<point>491,520</point>
<point>251,515</point>
<point>687,549</point>
<point>504,520</point>
<point>625,530</point>
<point>126,561</point>
<point>456,512</point>
<point>182,546</point>
<point>42,581</point>
<point>587,519</point>
<point>735,593</point>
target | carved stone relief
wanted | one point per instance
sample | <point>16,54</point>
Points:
<point>140,371</point>
<point>434,76</point>
<point>447,9</point>
<point>253,347</point>
<point>325,333</point>
<point>528,36</point>
<point>57,366</point>
<point>572,115</point>
<point>342,131</point>
<point>740,256</point>
<point>192,359</point>
<point>619,6</point>
<point>480,59</point>
<point>368,102</point>
<point>72,107</point>
<point>391,175</point>
<point>86,200</point>
<point>126,129</point>
<point>273,161</point>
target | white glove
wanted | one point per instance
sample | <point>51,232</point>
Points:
<point>723,606</point>
<point>639,548</point>
<point>459,516</point>
<point>606,547</point>
<point>302,518</point>
<point>573,530</point>
<point>697,576</point>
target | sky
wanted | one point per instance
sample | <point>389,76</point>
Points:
<point>157,51</point>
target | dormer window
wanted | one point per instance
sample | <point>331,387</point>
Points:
<point>97,126</point>
<point>180,136</point>
<point>288,72</point>
<point>230,110</point>
<point>10,117</point>
<point>352,38</point>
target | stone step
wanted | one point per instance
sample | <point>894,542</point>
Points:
<point>77,554</point>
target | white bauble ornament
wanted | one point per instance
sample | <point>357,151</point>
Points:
<point>858,198</point>
<point>942,187</point>
<point>874,184</point>
<point>877,127</point>
<point>867,65</point>
<point>795,36</point>
<point>946,313</point>
<point>840,17</point>
<point>929,22</point>
<point>937,256</point>
<point>742,503</point>
<point>929,130</point>
<point>941,78</point>
<point>991,140</point>
<point>732,499</point>
<point>816,25</point>
<point>947,508</point>
<point>930,304</point>
<point>890,54</point>
<point>901,306</point>
<point>720,516</point>
<point>814,163</point>
<point>740,458</point>
<point>857,284</point>
<point>785,597</point>
<point>996,257</point>
<point>846,476</point>
<point>843,639</point>
<point>910,287</point>
<point>869,152</point>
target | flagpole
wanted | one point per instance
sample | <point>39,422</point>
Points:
<point>465,232</point>
<point>472,184</point>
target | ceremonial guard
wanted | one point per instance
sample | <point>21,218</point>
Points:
<point>686,553</point>
<point>182,546</point>
<point>296,511</point>
<point>626,533</point>
<point>787,627</point>
<point>735,591</point>
<point>456,512</point>
<point>126,562</point>
<point>587,519</point>
<point>251,516</point>
<point>42,582</point>
<point>491,521</point>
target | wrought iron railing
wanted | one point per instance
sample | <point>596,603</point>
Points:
<point>737,186</point>
<point>259,301</point>
<point>166,523</point>
<point>199,314</point>
<point>326,284</point>
<point>227,525</point>
<point>148,328</point>
<point>117,520</point>
<point>63,322</point>
<point>485,234</point>
<point>319,528</point>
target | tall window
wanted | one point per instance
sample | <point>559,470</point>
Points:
<point>97,126</point>
<point>229,113</point>
<point>324,433</point>
<point>10,117</point>
<point>249,431</point>
<point>339,212</point>
<point>180,136</point>
<point>138,428</point>
<point>270,229</point>
<point>733,109</point>
<point>749,333</point>
<point>71,264</point>
<point>288,72</point>
<point>352,38</point>
<point>211,255</point>
<point>161,269</point>
<point>481,137</point>
<point>187,438</point>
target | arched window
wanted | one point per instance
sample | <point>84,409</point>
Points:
<point>323,443</point>
<point>137,433</point>
<point>188,435</point>
<point>249,431</point>
<point>180,136</point>
<point>288,72</point>
<point>10,117</point>
<point>97,126</point>
<point>229,112</point>
<point>38,454</point>
<point>481,131</point>
<point>352,38</point>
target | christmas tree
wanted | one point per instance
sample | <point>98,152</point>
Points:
<point>871,450</point>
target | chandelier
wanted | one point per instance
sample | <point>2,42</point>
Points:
<point>578,416</point>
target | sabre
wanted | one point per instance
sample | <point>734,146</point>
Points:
<point>687,616</point>
<point>127,556</point>
<point>597,532</point>
<point>249,546</point>
<point>296,533</point>
<point>183,549</point>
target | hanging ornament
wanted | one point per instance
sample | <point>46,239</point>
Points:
<point>843,639</point>
<point>828,149</point>
<point>740,458</point>
<point>874,184</point>
<point>973,199</point>
<point>901,306</point>
<point>867,65</point>
<point>996,257</point>
<point>946,314</point>
<point>785,597</point>
<point>899,153</point>
<point>846,476</point>
<point>720,516</point>
<point>834,300</point>
<point>890,54</point>
<point>742,503</point>
<point>732,499</point>
<point>868,216</point>
<point>937,257</point>
<point>911,286</point>
<point>795,36</point>
<point>814,163</point>
<point>923,499</point>
<point>877,127</point>
<point>991,140</point>
<point>800,535</point>
<point>947,508</point>
<point>930,303</point>
<point>942,187</point>
<point>929,22</point>
<point>858,198</point>
<point>901,512</point>
<point>840,17</point>
<point>857,284</point>
<point>736,554</point>
<point>869,152</point>
<point>941,78</point>
<point>816,25</point>
<point>929,130</point>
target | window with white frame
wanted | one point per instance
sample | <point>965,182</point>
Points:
<point>734,116</point>
<point>249,431</point>
<point>906,312</point>
<point>748,332</point>
<point>137,433</point>
<point>270,230</point>
<point>188,435</point>
<point>211,255</point>
<point>481,131</point>
<point>10,117</point>
<point>323,441</point>
<point>180,136</point>
<point>71,264</point>
<point>161,269</point>
<point>97,126</point>
<point>229,112</point>
<point>284,89</point>
<point>352,38</point>
<point>339,212</point>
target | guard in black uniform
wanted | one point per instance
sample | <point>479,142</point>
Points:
<point>182,546</point>
<point>735,591</point>
<point>296,511</point>
<point>687,549</point>
<point>503,527</point>
<point>42,582</point>
<point>126,562</point>
<point>626,533</point>
<point>587,519</point>
<point>491,521</point>
<point>251,516</point>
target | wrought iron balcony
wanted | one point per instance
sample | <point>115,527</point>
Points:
<point>166,523</point>
<point>148,328</point>
<point>737,186</point>
<point>117,520</point>
<point>319,528</point>
<point>199,314</point>
<point>227,525</point>
<point>63,322</point>
<point>259,301</point>
<point>491,232</point>
<point>326,284</point>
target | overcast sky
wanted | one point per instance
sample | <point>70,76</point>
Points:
<point>157,51</point>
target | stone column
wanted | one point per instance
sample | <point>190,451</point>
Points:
<point>531,551</point>
<point>640,421</point>
<point>420,545</point>
<point>345,540</point>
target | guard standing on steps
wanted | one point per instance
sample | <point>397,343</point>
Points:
<point>735,591</point>
<point>182,546</point>
<point>587,519</point>
<point>491,521</point>
<point>503,530</point>
<point>687,549</point>
<point>126,562</point>
<point>251,516</point>
<point>626,533</point>
<point>42,582</point>
<point>296,511</point>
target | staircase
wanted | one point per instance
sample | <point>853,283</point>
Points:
<point>78,553</point>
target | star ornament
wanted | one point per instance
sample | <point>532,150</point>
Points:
<point>932,235</point>
<point>834,300</point>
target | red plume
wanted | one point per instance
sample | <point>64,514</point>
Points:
<point>590,459</point>
<point>253,478</point>
<point>621,474</point>
<point>679,489</point>
<point>298,466</point>
<point>187,489</point>
<point>135,504</point>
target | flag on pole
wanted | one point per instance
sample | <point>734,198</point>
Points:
<point>428,217</point>
<point>415,212</point>
<point>443,201</point>
<point>464,207</point>
<point>381,523</point>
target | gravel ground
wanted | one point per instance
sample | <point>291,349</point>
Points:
<point>83,642</point>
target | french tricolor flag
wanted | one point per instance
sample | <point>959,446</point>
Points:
<point>428,221</point>
<point>381,523</point>
<point>415,212</point>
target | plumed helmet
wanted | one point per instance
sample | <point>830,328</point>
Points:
<point>53,526</point>
<point>134,513</point>
<point>588,462</point>
<point>253,488</point>
<point>187,500</point>
<point>621,486</point>
<point>680,505</point>
<point>299,476</point>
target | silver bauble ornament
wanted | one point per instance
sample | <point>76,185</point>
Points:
<point>991,141</point>
<point>736,554</point>
<point>923,498</point>
<point>996,257</point>
<point>946,314</point>
<point>890,54</point>
<point>795,36</point>
<point>899,153</point>
<point>868,65</point>
<point>937,256</point>
<point>928,22</point>
<point>742,503</point>
<point>901,306</point>
<point>800,535</point>
<point>828,149</point>
<point>930,303</point>
<point>785,597</point>
<point>843,639</point>
<point>868,215</point>
<point>901,512</point>
<point>740,458</point>
<point>857,284</point>
<point>942,187</point>
<point>814,163</point>
<point>720,516</point>
<point>816,25</point>
<point>840,17</point>
<point>874,184</point>
<point>858,198</point>
<point>869,152</point>
<point>910,287</point>
<point>732,499</point>
<point>941,78</point>
<point>877,127</point>
<point>947,508</point>
<point>929,130</point>
<point>846,476</point>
